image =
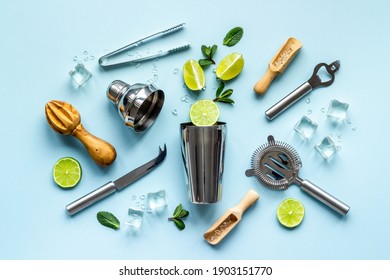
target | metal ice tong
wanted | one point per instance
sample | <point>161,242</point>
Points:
<point>104,61</point>
<point>314,82</point>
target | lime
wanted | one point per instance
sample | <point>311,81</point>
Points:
<point>204,113</point>
<point>67,172</point>
<point>290,212</point>
<point>230,66</point>
<point>193,75</point>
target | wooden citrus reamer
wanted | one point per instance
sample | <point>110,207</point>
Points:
<point>63,118</point>
<point>278,64</point>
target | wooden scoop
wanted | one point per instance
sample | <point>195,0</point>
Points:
<point>230,219</point>
<point>65,119</point>
<point>278,64</point>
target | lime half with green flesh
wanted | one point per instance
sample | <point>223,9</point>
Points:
<point>67,172</point>
<point>230,66</point>
<point>193,75</point>
<point>204,113</point>
<point>290,212</point>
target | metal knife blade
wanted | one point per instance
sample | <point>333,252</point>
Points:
<point>137,173</point>
<point>119,184</point>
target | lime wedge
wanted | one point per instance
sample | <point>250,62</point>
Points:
<point>204,113</point>
<point>290,212</point>
<point>193,75</point>
<point>67,172</point>
<point>230,66</point>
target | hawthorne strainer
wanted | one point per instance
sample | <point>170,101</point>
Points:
<point>276,165</point>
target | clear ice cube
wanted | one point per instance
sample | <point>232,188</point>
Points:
<point>135,218</point>
<point>337,110</point>
<point>156,200</point>
<point>306,127</point>
<point>326,147</point>
<point>80,74</point>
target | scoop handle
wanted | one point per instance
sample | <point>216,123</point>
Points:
<point>324,197</point>
<point>263,84</point>
<point>102,152</point>
<point>250,198</point>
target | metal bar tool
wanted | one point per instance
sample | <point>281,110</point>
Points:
<point>314,82</point>
<point>116,185</point>
<point>104,61</point>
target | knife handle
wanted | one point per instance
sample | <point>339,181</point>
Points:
<point>91,198</point>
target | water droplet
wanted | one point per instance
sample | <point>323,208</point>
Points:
<point>142,197</point>
<point>160,51</point>
<point>130,53</point>
<point>174,112</point>
<point>308,100</point>
<point>309,112</point>
<point>91,57</point>
<point>204,88</point>
<point>138,204</point>
<point>176,71</point>
<point>349,121</point>
<point>86,58</point>
<point>154,71</point>
<point>133,197</point>
<point>214,70</point>
<point>75,58</point>
<point>183,98</point>
<point>354,128</point>
<point>85,53</point>
<point>143,207</point>
<point>137,65</point>
<point>156,59</point>
<point>148,50</point>
<point>155,77</point>
<point>338,148</point>
<point>323,109</point>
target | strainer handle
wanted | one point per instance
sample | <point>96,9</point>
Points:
<point>324,197</point>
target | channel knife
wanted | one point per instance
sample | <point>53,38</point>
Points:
<point>117,185</point>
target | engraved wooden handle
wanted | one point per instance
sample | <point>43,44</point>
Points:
<point>262,85</point>
<point>102,152</point>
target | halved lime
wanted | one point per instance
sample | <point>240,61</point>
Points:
<point>193,75</point>
<point>67,172</point>
<point>290,212</point>
<point>204,113</point>
<point>230,66</point>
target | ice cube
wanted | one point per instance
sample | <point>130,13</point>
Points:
<point>337,110</point>
<point>80,74</point>
<point>135,218</point>
<point>156,200</point>
<point>306,127</point>
<point>326,147</point>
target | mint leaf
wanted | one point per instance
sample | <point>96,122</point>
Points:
<point>179,224</point>
<point>183,213</point>
<point>233,36</point>
<point>213,50</point>
<point>226,100</point>
<point>227,93</point>
<point>107,219</point>
<point>220,89</point>
<point>205,62</point>
<point>206,50</point>
<point>177,211</point>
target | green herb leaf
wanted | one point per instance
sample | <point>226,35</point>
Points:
<point>107,219</point>
<point>226,100</point>
<point>206,51</point>
<point>220,89</point>
<point>213,51</point>
<point>233,36</point>
<point>179,224</point>
<point>177,211</point>
<point>183,213</point>
<point>227,93</point>
<point>205,62</point>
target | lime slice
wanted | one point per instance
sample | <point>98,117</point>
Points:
<point>67,172</point>
<point>204,113</point>
<point>230,66</point>
<point>290,212</point>
<point>193,75</point>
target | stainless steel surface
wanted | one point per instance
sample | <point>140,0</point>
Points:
<point>138,105</point>
<point>289,100</point>
<point>117,185</point>
<point>203,151</point>
<point>276,165</point>
<point>315,81</point>
<point>104,61</point>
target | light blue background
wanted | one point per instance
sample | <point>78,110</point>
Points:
<point>38,42</point>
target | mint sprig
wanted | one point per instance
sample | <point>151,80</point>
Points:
<point>233,36</point>
<point>223,96</point>
<point>178,214</point>
<point>108,219</point>
<point>208,52</point>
